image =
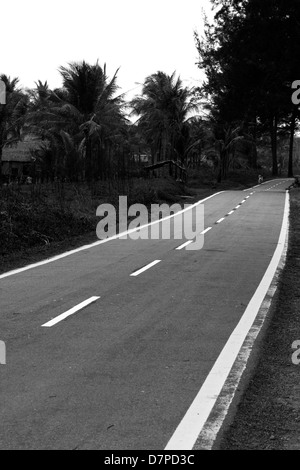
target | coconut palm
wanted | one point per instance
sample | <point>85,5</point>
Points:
<point>163,108</point>
<point>222,140</point>
<point>12,114</point>
<point>84,115</point>
<point>91,104</point>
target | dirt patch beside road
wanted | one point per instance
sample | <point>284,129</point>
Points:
<point>268,416</point>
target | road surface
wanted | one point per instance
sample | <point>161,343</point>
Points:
<point>122,372</point>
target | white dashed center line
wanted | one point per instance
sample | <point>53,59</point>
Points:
<point>148,266</point>
<point>206,230</point>
<point>73,310</point>
<point>184,245</point>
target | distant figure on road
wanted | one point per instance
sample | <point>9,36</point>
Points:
<point>260,179</point>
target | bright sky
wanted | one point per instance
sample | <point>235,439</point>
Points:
<point>139,36</point>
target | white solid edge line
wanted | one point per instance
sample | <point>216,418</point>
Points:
<point>185,435</point>
<point>210,430</point>
<point>220,220</point>
<point>180,247</point>
<point>73,310</point>
<point>148,266</point>
<point>100,242</point>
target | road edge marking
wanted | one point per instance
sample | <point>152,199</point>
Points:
<point>193,422</point>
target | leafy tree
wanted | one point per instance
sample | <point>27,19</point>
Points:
<point>164,109</point>
<point>12,114</point>
<point>249,59</point>
<point>83,120</point>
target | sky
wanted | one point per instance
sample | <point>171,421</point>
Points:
<point>139,37</point>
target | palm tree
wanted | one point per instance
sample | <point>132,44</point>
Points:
<point>163,108</point>
<point>12,115</point>
<point>44,124</point>
<point>92,105</point>
<point>83,118</point>
<point>224,137</point>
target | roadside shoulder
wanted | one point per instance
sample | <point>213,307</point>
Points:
<point>267,415</point>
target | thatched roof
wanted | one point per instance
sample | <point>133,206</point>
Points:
<point>20,152</point>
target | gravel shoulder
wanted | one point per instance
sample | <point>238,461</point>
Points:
<point>268,415</point>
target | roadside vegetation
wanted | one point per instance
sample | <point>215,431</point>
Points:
<point>41,220</point>
<point>88,144</point>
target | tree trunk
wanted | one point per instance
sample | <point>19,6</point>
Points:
<point>222,166</point>
<point>160,150</point>
<point>225,161</point>
<point>254,148</point>
<point>291,148</point>
<point>165,145</point>
<point>252,155</point>
<point>88,162</point>
<point>273,134</point>
<point>0,164</point>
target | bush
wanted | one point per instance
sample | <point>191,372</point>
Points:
<point>25,223</point>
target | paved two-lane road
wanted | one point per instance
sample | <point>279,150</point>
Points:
<point>122,372</point>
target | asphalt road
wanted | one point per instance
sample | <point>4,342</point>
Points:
<point>122,372</point>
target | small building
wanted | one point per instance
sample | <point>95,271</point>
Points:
<point>142,157</point>
<point>167,168</point>
<point>17,161</point>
